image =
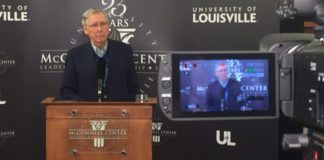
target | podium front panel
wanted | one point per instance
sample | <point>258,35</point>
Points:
<point>80,132</point>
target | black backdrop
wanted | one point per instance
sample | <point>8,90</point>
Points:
<point>36,34</point>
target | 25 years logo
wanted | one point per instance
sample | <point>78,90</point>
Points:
<point>122,27</point>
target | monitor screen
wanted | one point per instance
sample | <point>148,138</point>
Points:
<point>223,85</point>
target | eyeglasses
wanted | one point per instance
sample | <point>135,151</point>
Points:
<point>97,25</point>
<point>222,70</point>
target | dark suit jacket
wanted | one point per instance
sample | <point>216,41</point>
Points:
<point>80,76</point>
<point>213,100</point>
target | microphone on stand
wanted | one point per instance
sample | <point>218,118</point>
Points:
<point>222,102</point>
<point>101,71</point>
<point>2,102</point>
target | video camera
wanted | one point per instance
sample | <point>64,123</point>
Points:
<point>289,70</point>
<point>301,75</point>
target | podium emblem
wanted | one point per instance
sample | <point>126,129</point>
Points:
<point>98,126</point>
<point>103,135</point>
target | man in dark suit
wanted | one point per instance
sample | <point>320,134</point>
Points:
<point>80,80</point>
<point>223,93</point>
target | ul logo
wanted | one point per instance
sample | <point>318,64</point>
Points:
<point>226,138</point>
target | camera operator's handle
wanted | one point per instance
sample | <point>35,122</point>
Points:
<point>295,141</point>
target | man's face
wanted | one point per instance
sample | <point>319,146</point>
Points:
<point>97,29</point>
<point>221,72</point>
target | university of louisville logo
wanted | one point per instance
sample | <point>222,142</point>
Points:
<point>14,13</point>
<point>226,138</point>
<point>98,126</point>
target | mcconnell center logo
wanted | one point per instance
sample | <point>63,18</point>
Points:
<point>147,66</point>
<point>52,61</point>
<point>98,126</point>
<point>14,13</point>
<point>5,134</point>
<point>224,14</point>
<point>148,61</point>
<point>5,62</point>
<point>98,136</point>
<point>161,133</point>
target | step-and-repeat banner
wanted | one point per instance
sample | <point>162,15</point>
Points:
<point>35,36</point>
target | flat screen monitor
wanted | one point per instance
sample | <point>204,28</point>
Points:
<point>220,85</point>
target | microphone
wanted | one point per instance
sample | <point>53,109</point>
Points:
<point>2,102</point>
<point>101,72</point>
<point>222,102</point>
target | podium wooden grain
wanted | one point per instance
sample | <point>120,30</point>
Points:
<point>68,124</point>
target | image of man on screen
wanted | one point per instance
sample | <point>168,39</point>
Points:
<point>101,68</point>
<point>222,94</point>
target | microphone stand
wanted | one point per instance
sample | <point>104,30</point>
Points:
<point>99,89</point>
<point>2,102</point>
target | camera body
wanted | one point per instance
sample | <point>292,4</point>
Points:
<point>301,82</point>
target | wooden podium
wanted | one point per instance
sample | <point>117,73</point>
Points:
<point>98,130</point>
